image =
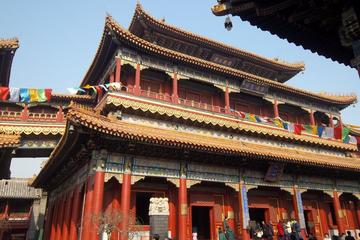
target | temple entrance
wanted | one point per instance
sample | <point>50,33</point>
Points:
<point>201,224</point>
<point>309,221</point>
<point>258,214</point>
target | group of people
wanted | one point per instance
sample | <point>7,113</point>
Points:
<point>342,236</point>
<point>261,230</point>
<point>286,230</point>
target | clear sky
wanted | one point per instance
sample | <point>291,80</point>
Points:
<point>58,40</point>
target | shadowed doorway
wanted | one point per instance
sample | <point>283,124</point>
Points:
<point>200,217</point>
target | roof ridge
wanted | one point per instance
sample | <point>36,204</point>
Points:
<point>214,66</point>
<point>149,133</point>
<point>294,66</point>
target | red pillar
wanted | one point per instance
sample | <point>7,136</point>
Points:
<point>312,119</point>
<point>230,211</point>
<point>54,219</point>
<point>331,122</point>
<point>137,80</point>
<point>172,213</point>
<point>112,77</point>
<point>183,208</point>
<point>48,221</point>
<point>115,208</point>
<point>85,235</point>
<point>125,205</point>
<point>98,196</point>
<point>227,100</point>
<point>358,212</point>
<point>118,69</point>
<point>25,113</point>
<point>60,115</point>
<point>66,222</point>
<point>276,109</point>
<point>175,95</point>
<point>76,206</point>
<point>244,231</point>
<point>338,213</point>
<point>60,219</point>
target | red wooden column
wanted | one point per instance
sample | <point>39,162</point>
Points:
<point>48,220</point>
<point>125,204</point>
<point>115,207</point>
<point>230,211</point>
<point>174,94</point>
<point>76,206</point>
<point>97,202</point>
<point>54,219</point>
<point>338,213</point>
<point>358,212</point>
<point>66,222</point>
<point>111,77</point>
<point>331,122</point>
<point>172,212</point>
<point>60,219</point>
<point>85,235</point>
<point>243,212</point>
<point>118,69</point>
<point>312,119</point>
<point>227,100</point>
<point>25,113</point>
<point>299,216</point>
<point>276,109</point>
<point>137,87</point>
<point>183,208</point>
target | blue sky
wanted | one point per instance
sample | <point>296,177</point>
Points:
<point>58,40</point>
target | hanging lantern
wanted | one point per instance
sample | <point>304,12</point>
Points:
<point>228,24</point>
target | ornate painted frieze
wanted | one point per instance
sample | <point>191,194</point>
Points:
<point>302,102</point>
<point>156,167</point>
<point>115,163</point>
<point>348,186</point>
<point>316,183</point>
<point>212,173</point>
<point>38,143</point>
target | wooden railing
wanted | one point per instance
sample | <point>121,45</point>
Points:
<point>27,116</point>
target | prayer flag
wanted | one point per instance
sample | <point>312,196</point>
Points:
<point>41,95</point>
<point>14,94</point>
<point>4,93</point>
<point>338,132</point>
<point>278,122</point>
<point>291,127</point>
<point>352,139</point>
<point>286,125</point>
<point>33,95</point>
<point>258,119</point>
<point>48,92</point>
<point>320,130</point>
<point>328,132</point>
<point>345,133</point>
<point>308,129</point>
<point>298,128</point>
<point>24,95</point>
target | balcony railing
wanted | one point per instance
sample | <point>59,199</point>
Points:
<point>27,116</point>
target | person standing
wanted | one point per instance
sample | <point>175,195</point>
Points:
<point>280,230</point>
<point>269,231</point>
<point>228,231</point>
<point>349,237</point>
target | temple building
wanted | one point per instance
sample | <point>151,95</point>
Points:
<point>212,129</point>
